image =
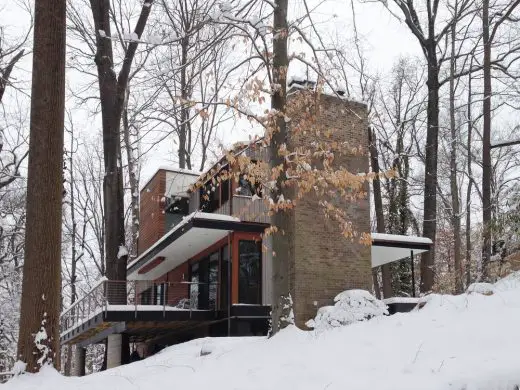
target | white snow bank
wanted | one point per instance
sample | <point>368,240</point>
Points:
<point>350,306</point>
<point>454,342</point>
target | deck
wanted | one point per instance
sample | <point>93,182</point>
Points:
<point>116,307</point>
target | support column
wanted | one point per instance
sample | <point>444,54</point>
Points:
<point>114,350</point>
<point>79,361</point>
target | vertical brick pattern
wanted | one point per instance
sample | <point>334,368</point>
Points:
<point>325,263</point>
<point>152,221</point>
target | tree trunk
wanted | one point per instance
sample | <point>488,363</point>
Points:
<point>38,341</point>
<point>184,106</point>
<point>380,218</point>
<point>133,178</point>
<point>470,184</point>
<point>455,201</point>
<point>430,177</point>
<point>283,220</point>
<point>486,147</point>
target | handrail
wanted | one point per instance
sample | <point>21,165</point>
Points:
<point>131,293</point>
<point>95,286</point>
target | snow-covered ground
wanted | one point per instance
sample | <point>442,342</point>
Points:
<point>466,342</point>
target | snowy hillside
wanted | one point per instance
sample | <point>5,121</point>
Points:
<point>464,342</point>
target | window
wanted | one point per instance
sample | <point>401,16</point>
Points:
<point>246,188</point>
<point>213,280</point>
<point>146,297</point>
<point>209,198</point>
<point>194,287</point>
<point>250,272</point>
<point>224,191</point>
<point>178,207</point>
<point>160,294</point>
<point>224,277</point>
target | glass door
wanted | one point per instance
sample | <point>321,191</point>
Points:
<point>250,272</point>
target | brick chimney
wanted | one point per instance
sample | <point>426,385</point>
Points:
<point>323,262</point>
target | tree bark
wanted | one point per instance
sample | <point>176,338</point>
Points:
<point>380,218</point>
<point>183,129</point>
<point>470,183</point>
<point>38,341</point>
<point>430,175</point>
<point>486,147</point>
<point>283,220</point>
<point>455,201</point>
<point>133,178</point>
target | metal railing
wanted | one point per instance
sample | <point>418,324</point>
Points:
<point>139,295</point>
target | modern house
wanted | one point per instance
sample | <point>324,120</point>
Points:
<point>204,266</point>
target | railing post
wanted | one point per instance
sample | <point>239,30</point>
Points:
<point>105,295</point>
<point>134,283</point>
<point>89,307</point>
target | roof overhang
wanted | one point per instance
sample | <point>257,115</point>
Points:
<point>194,234</point>
<point>387,248</point>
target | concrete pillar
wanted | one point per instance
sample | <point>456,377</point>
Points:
<point>114,350</point>
<point>78,368</point>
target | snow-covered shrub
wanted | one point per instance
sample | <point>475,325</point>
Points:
<point>350,306</point>
<point>481,288</point>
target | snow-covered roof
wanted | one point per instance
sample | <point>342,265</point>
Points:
<point>185,220</point>
<point>168,168</point>
<point>397,238</point>
<point>195,233</point>
<point>388,248</point>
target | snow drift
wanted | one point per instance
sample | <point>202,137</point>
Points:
<point>460,342</point>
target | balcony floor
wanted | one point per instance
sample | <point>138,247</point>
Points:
<point>145,322</point>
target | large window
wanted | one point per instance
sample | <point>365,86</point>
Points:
<point>194,287</point>
<point>204,279</point>
<point>213,280</point>
<point>177,209</point>
<point>250,272</point>
<point>160,293</point>
<point>224,277</point>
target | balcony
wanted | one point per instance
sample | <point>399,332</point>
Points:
<point>109,304</point>
<point>145,310</point>
<point>246,209</point>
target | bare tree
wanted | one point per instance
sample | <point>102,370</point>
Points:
<point>489,33</point>
<point>431,37</point>
<point>12,232</point>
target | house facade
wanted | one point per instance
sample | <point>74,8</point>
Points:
<point>204,266</point>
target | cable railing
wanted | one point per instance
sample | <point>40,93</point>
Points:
<point>137,296</point>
